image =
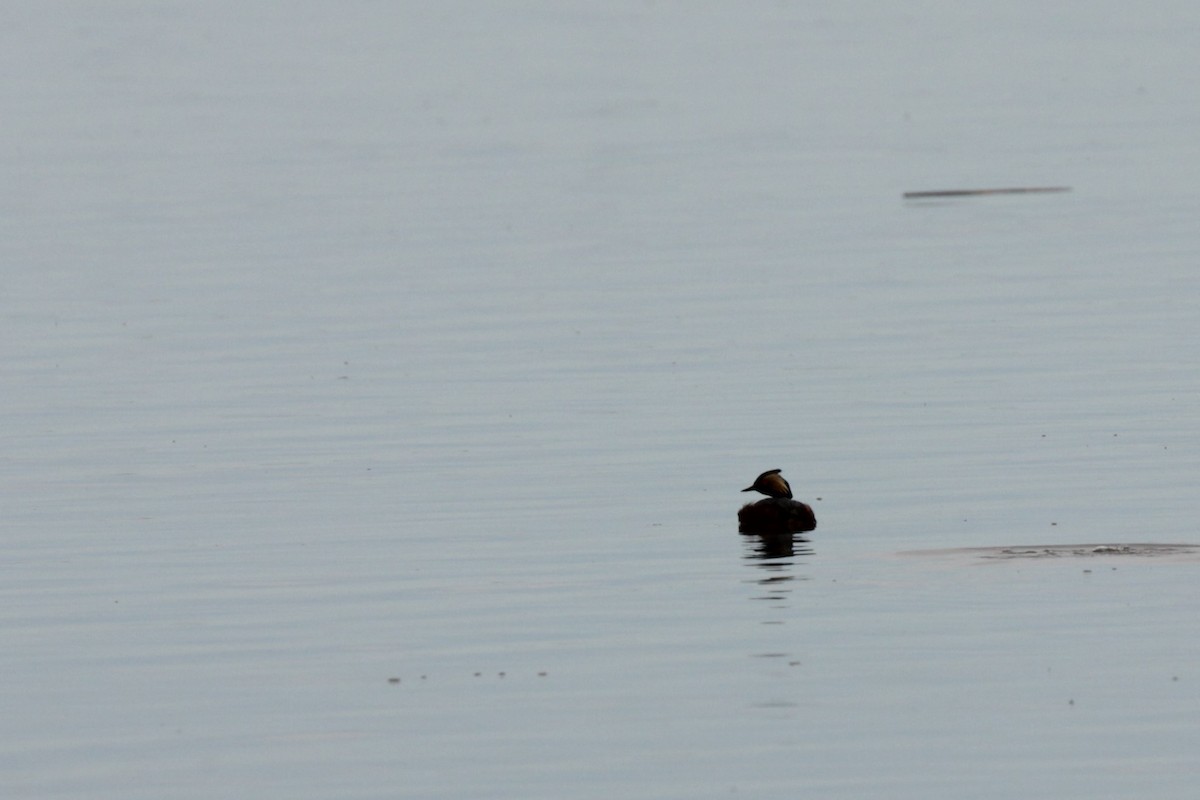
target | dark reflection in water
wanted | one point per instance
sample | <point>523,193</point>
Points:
<point>776,557</point>
<point>776,554</point>
<point>768,546</point>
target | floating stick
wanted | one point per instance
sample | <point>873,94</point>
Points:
<point>973,192</point>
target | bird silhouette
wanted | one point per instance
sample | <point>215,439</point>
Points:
<point>777,513</point>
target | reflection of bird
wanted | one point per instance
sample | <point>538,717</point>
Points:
<point>772,484</point>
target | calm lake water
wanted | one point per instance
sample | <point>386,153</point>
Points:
<point>380,380</point>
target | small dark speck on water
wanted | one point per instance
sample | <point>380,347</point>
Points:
<point>1071,702</point>
<point>393,680</point>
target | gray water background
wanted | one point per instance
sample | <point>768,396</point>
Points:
<point>379,380</point>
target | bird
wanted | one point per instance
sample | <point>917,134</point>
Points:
<point>772,484</point>
<point>777,513</point>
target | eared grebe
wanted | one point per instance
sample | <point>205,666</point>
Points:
<point>777,513</point>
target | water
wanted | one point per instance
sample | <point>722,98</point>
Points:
<point>380,382</point>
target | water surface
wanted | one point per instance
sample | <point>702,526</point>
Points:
<point>380,382</point>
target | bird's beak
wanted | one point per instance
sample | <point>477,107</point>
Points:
<point>748,489</point>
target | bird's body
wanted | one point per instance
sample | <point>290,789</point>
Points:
<point>772,484</point>
<point>776,515</point>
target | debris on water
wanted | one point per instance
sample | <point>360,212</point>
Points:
<point>1176,551</point>
<point>936,193</point>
